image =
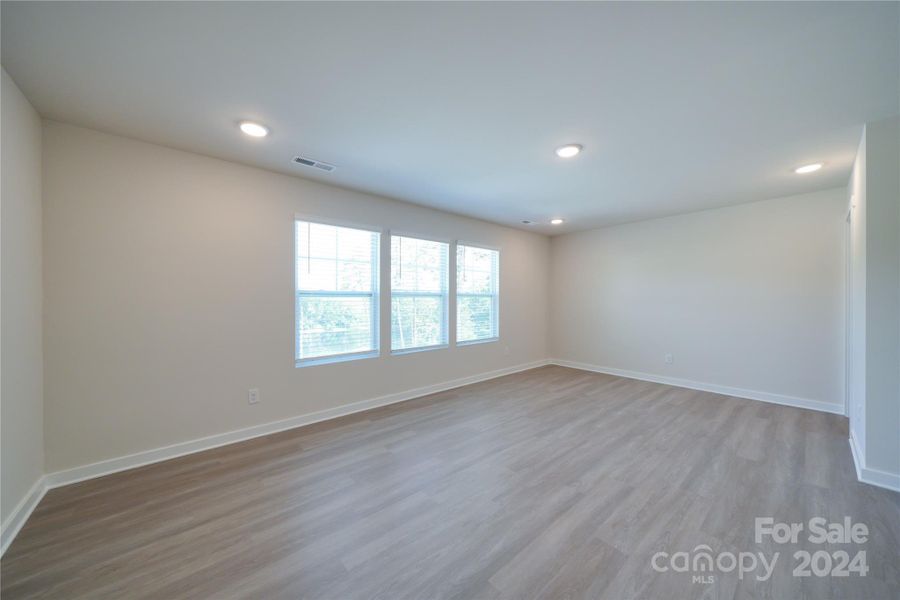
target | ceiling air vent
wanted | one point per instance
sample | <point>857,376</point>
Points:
<point>316,164</point>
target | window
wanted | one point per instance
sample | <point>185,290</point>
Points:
<point>477,294</point>
<point>419,293</point>
<point>336,300</point>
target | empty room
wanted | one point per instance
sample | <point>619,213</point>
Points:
<point>450,300</point>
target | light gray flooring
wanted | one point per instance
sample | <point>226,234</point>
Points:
<point>552,483</point>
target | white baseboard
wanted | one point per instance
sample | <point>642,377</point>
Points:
<point>707,387</point>
<point>20,513</point>
<point>139,459</point>
<point>882,479</point>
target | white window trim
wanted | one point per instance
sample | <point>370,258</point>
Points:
<point>478,245</point>
<point>375,293</point>
<point>489,340</point>
<point>419,349</point>
<point>418,236</point>
<point>447,308</point>
<point>320,220</point>
<point>495,298</point>
<point>335,358</point>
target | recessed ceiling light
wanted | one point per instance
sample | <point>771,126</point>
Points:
<point>254,129</point>
<point>808,168</point>
<point>556,221</point>
<point>568,151</point>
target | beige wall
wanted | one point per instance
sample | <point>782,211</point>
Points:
<point>748,297</point>
<point>169,293</point>
<point>21,405</point>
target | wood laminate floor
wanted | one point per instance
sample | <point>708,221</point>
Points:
<point>551,483</point>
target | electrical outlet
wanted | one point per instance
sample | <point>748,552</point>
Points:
<point>253,396</point>
<point>506,350</point>
<point>669,359</point>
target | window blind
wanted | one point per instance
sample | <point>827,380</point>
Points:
<point>419,293</point>
<point>477,293</point>
<point>336,300</point>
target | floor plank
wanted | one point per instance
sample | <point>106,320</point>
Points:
<point>551,483</point>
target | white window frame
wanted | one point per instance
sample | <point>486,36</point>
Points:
<point>375,294</point>
<point>446,296</point>
<point>495,297</point>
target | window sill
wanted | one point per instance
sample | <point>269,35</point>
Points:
<point>422,349</point>
<point>474,342</point>
<point>335,358</point>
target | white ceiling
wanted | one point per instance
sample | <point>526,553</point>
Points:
<point>458,106</point>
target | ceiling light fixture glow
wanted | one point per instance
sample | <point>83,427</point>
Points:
<point>808,168</point>
<point>568,151</point>
<point>254,129</point>
<point>556,221</point>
